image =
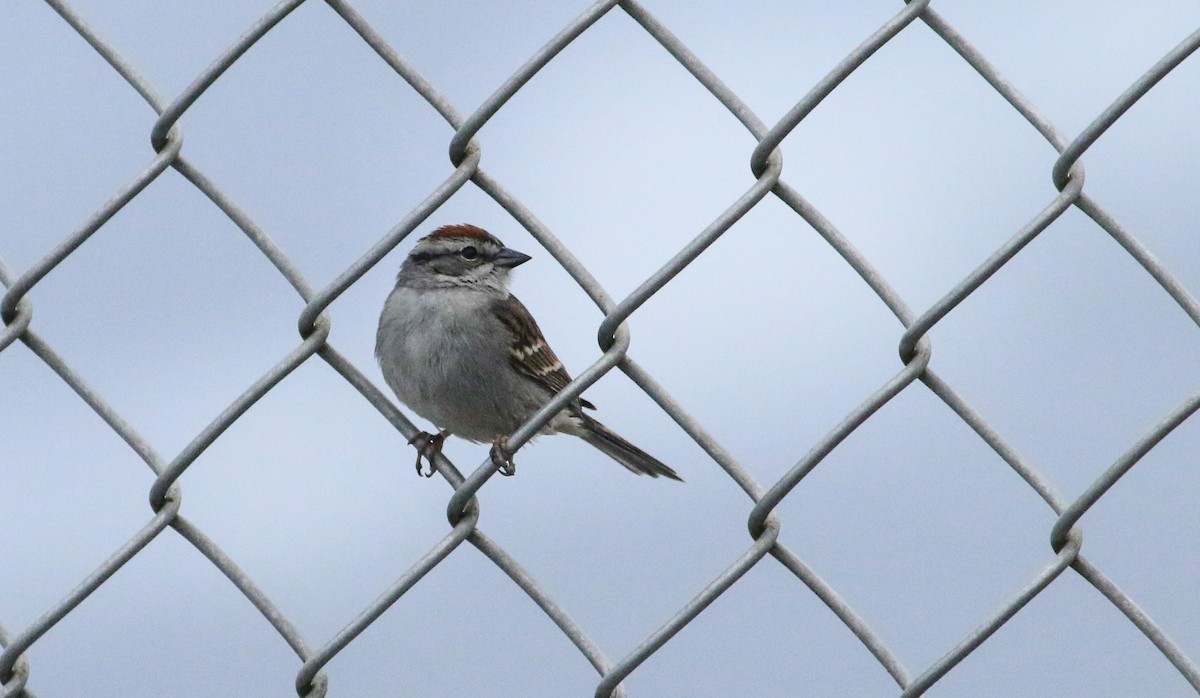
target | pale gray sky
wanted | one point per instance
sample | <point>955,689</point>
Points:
<point>1071,352</point>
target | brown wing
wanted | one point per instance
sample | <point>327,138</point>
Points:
<point>529,352</point>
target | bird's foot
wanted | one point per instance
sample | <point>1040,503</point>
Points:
<point>428,445</point>
<point>502,459</point>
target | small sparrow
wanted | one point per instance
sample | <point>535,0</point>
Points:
<point>463,353</point>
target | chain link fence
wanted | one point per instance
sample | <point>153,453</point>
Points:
<point>462,510</point>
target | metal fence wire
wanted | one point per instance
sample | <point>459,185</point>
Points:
<point>463,510</point>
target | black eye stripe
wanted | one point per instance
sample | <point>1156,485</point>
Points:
<point>423,256</point>
<point>426,256</point>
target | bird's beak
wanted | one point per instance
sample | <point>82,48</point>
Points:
<point>510,258</point>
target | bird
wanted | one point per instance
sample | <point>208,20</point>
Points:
<point>462,352</point>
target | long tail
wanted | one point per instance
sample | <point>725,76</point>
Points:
<point>623,452</point>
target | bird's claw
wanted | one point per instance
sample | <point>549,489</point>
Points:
<point>502,459</point>
<point>428,445</point>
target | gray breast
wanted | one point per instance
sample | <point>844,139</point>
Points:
<point>446,358</point>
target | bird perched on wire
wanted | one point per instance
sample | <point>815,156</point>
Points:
<point>465,354</point>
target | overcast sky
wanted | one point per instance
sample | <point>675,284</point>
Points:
<point>1071,352</point>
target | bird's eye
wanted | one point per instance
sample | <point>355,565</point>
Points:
<point>469,252</point>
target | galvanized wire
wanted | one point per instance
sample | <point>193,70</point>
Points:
<point>463,510</point>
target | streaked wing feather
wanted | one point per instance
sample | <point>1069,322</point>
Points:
<point>529,352</point>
